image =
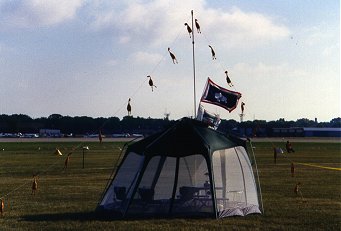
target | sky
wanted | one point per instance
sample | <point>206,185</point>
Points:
<point>87,58</point>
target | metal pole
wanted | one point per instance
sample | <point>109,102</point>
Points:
<point>195,103</point>
<point>83,157</point>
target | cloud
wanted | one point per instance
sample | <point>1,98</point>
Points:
<point>112,62</point>
<point>33,13</point>
<point>238,28</point>
<point>158,23</point>
<point>266,71</point>
<point>124,39</point>
<point>5,48</point>
<point>318,34</point>
<point>328,51</point>
<point>146,57</point>
<point>324,36</point>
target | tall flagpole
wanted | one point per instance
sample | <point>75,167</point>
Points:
<point>195,104</point>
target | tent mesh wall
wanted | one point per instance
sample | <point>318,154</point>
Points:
<point>234,183</point>
<point>154,192</point>
<point>120,190</point>
<point>234,186</point>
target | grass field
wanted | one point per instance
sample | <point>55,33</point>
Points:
<point>66,200</point>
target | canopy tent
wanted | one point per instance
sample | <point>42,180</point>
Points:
<point>186,170</point>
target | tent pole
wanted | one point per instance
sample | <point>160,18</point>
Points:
<point>137,183</point>
<point>158,171</point>
<point>176,177</point>
<point>223,171</point>
<point>212,183</point>
<point>258,182</point>
<point>193,55</point>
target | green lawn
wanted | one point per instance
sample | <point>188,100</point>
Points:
<point>66,200</point>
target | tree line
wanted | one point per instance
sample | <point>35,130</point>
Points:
<point>87,125</point>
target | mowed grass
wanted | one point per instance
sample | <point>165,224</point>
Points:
<point>66,199</point>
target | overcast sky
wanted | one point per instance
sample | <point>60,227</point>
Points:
<point>77,58</point>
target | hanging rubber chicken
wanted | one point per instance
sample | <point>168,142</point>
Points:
<point>212,52</point>
<point>172,56</point>
<point>150,82</point>
<point>197,26</point>
<point>228,80</point>
<point>189,30</point>
<point>129,108</point>
<point>242,107</point>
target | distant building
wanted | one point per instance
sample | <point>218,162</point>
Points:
<point>249,132</point>
<point>288,132</point>
<point>49,133</point>
<point>322,132</point>
<point>306,132</point>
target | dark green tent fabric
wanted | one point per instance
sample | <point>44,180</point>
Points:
<point>186,137</point>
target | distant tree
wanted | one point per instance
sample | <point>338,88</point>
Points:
<point>111,125</point>
<point>54,121</point>
<point>227,125</point>
<point>88,125</point>
<point>54,116</point>
<point>15,123</point>
<point>336,122</point>
<point>85,125</point>
<point>305,123</point>
<point>66,124</point>
<point>23,123</point>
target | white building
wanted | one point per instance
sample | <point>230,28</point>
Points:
<point>49,133</point>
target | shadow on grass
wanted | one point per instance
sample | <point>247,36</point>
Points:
<point>77,216</point>
<point>100,216</point>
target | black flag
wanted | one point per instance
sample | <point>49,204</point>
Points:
<point>220,96</point>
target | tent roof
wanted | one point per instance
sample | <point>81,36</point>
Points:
<point>186,137</point>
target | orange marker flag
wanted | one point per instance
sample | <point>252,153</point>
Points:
<point>292,169</point>
<point>2,207</point>
<point>297,188</point>
<point>67,160</point>
<point>100,136</point>
<point>34,185</point>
